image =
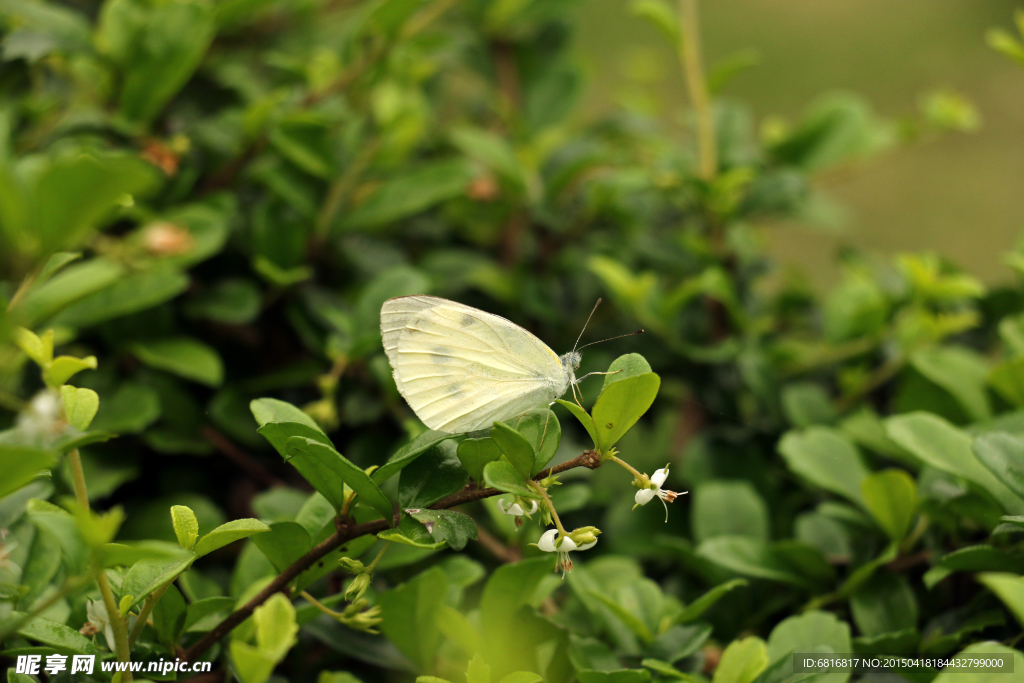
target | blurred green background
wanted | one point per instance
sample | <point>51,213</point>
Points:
<point>959,195</point>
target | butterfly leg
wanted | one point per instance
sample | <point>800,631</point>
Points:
<point>596,373</point>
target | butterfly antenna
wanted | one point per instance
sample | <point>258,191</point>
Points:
<point>585,325</point>
<point>631,334</point>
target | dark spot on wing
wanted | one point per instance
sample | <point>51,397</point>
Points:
<point>467,320</point>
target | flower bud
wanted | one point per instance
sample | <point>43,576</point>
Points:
<point>357,587</point>
<point>585,535</point>
<point>351,565</point>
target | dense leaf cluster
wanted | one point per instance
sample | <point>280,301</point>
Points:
<point>203,206</point>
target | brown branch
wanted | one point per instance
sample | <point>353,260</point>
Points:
<point>346,533</point>
<point>251,467</point>
<point>902,564</point>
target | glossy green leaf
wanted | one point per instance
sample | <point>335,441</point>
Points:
<point>448,526</point>
<point>272,410</point>
<point>64,368</point>
<point>475,454</point>
<point>515,447</point>
<point>812,631</point>
<point>61,638</point>
<point>408,453</point>
<point>748,557</point>
<point>542,429</point>
<point>434,475</point>
<point>328,471</point>
<point>278,433</point>
<point>72,284</point>
<point>283,543</point>
<point>169,616</point>
<point>1009,588</point>
<point>186,526</point>
<point>621,404</point>
<point>884,604</point>
<point>584,418</point>
<point>501,475</point>
<point>961,372</point>
<point>229,533</point>
<point>146,576</point>
<point>411,193</point>
<point>728,508</point>
<point>182,356</point>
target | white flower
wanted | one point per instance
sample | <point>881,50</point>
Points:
<point>99,622</point>
<point>42,417</point>
<point>647,494</point>
<point>550,543</point>
<point>515,509</point>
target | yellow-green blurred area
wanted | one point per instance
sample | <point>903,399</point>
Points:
<point>960,195</point>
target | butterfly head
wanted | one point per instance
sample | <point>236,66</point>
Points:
<point>571,360</point>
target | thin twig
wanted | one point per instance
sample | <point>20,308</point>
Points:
<point>343,535</point>
<point>696,83</point>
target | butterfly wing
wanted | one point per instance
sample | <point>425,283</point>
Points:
<point>460,368</point>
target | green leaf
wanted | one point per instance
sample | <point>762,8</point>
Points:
<point>412,608</point>
<point>477,671</point>
<point>501,475</point>
<point>826,458</point>
<point>944,447</point>
<point>182,356</point>
<point>449,526</point>
<point>961,372</point>
<point>631,621</point>
<point>55,263</point>
<point>515,447</point>
<point>748,557</point>
<point>228,533</point>
<point>80,406</point>
<point>210,610</point>
<point>475,454</point>
<point>1007,378</point>
<point>39,349</point>
<point>1003,455</point>
<point>698,607</point>
<point>510,587</point>
<point>522,677</point>
<point>891,498</point>
<point>186,526</point>
<point>272,410</point>
<point>884,604</point>
<point>436,474</point>
<point>807,404</point>
<point>742,661</point>
<point>64,368</point>
<point>1009,588</point>
<point>22,464</point>
<point>408,453</point>
<point>584,418</point>
<point>747,513</point>
<point>981,558</point>
<point>132,552</point>
<point>412,533</point>
<point>328,470</point>
<point>412,193</point>
<point>63,639</point>
<point>811,631</point>
<point>127,295</point>
<point>164,45</point>
<point>146,576</point>
<point>283,543</point>
<point>542,429</point>
<point>278,433</point>
<point>131,409</point>
<point>230,302</point>
<point>73,284</point>
<point>622,402</point>
<point>169,616</point>
<point>490,149</point>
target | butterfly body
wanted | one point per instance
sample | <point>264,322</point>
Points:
<point>461,369</point>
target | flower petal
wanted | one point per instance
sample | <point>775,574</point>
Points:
<point>659,477</point>
<point>547,541</point>
<point>644,496</point>
<point>587,546</point>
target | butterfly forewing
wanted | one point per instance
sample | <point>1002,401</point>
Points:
<point>460,368</point>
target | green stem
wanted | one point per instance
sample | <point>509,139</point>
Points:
<point>117,622</point>
<point>147,608</point>
<point>78,479</point>
<point>551,507</point>
<point>637,475</point>
<point>320,606</point>
<point>373,564</point>
<point>693,67</point>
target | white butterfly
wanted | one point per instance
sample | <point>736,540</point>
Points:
<point>462,369</point>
